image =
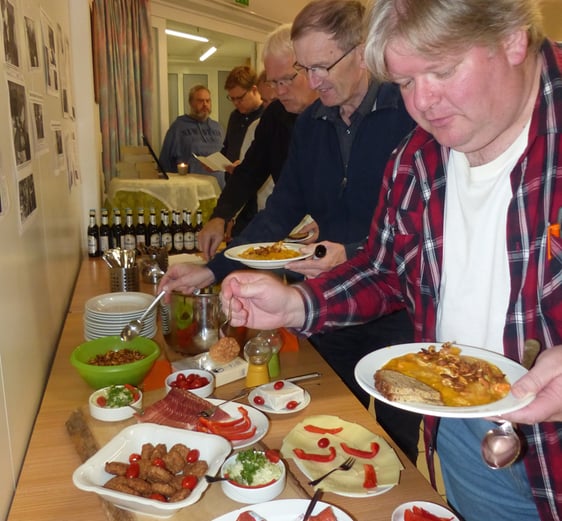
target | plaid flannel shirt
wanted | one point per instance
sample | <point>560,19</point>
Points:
<point>401,263</point>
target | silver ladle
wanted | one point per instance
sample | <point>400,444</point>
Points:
<point>133,328</point>
<point>501,445</point>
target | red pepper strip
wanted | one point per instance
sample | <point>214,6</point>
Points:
<point>301,454</point>
<point>367,454</point>
<point>241,436</point>
<point>420,511</point>
<point>222,430</point>
<point>370,480</point>
<point>224,423</point>
<point>322,430</point>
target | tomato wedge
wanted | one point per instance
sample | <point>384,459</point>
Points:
<point>370,480</point>
<point>366,454</point>
<point>322,430</point>
<point>310,456</point>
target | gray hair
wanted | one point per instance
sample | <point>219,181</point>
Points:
<point>278,43</point>
<point>342,19</point>
<point>433,27</point>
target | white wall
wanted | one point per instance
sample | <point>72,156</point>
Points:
<point>40,259</point>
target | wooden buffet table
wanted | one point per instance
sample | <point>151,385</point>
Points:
<point>45,490</point>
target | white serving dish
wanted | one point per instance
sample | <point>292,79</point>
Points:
<point>284,510</point>
<point>433,508</point>
<point>250,495</point>
<point>202,392</point>
<point>111,414</point>
<point>90,476</point>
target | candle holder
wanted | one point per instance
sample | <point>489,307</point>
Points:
<point>183,168</point>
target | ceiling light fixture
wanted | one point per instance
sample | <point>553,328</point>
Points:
<point>209,52</point>
<point>187,36</point>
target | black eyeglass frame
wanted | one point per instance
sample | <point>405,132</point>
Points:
<point>315,69</point>
<point>283,82</point>
<point>236,99</point>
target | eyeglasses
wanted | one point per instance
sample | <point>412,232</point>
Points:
<point>320,71</point>
<point>236,99</point>
<point>283,82</point>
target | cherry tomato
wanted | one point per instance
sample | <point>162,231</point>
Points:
<point>159,462</point>
<point>180,377</point>
<point>101,401</point>
<point>158,497</point>
<point>258,400</point>
<point>293,404</point>
<point>192,456</point>
<point>189,481</point>
<point>134,457</point>
<point>272,455</point>
<point>133,470</point>
<point>279,385</point>
<point>323,443</point>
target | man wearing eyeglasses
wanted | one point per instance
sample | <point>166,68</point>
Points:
<point>241,86</point>
<point>339,148</point>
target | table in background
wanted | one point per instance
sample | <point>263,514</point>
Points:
<point>45,490</point>
<point>191,191</point>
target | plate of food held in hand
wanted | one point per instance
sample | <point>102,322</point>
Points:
<point>279,397</point>
<point>320,443</point>
<point>266,255</point>
<point>453,381</point>
<point>242,425</point>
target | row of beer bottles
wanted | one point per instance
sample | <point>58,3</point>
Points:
<point>179,235</point>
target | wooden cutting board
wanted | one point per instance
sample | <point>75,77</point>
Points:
<point>89,434</point>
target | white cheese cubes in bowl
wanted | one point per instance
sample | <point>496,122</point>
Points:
<point>280,397</point>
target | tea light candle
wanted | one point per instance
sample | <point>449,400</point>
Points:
<point>182,168</point>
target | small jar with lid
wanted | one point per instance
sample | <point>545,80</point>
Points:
<point>257,353</point>
<point>275,340</point>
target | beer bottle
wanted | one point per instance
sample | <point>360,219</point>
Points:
<point>177,233</point>
<point>104,231</point>
<point>140,230</point>
<point>198,228</point>
<point>153,232</point>
<point>165,233</point>
<point>129,237</point>
<point>93,235</point>
<point>188,233</point>
<point>117,230</point>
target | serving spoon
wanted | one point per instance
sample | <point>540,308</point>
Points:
<point>133,328</point>
<point>501,445</point>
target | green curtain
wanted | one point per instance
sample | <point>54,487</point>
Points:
<point>123,76</point>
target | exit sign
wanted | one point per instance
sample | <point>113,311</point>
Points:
<point>242,2</point>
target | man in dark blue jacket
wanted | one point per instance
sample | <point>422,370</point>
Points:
<point>338,152</point>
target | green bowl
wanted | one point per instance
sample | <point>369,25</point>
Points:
<point>102,376</point>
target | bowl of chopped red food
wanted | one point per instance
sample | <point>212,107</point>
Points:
<point>109,361</point>
<point>115,402</point>
<point>198,381</point>
<point>254,476</point>
<point>422,511</point>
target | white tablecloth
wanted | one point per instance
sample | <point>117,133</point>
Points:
<point>177,192</point>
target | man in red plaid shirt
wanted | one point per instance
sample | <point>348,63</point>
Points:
<point>466,234</point>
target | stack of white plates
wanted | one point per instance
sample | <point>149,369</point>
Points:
<point>106,315</point>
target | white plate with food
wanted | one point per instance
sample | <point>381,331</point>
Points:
<point>258,419</point>
<point>266,255</point>
<point>283,510</point>
<point>320,443</point>
<point>431,508</point>
<point>369,364</point>
<point>91,475</point>
<point>256,399</point>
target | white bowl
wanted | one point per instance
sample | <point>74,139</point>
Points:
<point>433,508</point>
<point>111,414</point>
<point>91,475</point>
<point>250,495</point>
<point>202,392</point>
